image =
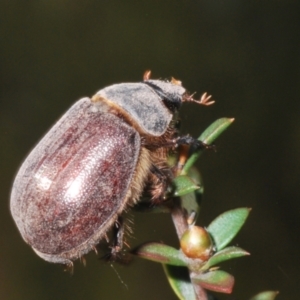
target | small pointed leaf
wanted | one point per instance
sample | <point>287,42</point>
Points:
<point>223,255</point>
<point>267,295</point>
<point>208,137</point>
<point>179,280</point>
<point>215,129</point>
<point>217,281</point>
<point>225,227</point>
<point>184,185</point>
<point>196,176</point>
<point>160,253</point>
<point>191,202</point>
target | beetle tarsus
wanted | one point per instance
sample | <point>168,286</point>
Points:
<point>194,143</point>
<point>118,241</point>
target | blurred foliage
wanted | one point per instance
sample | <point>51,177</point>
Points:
<point>245,53</point>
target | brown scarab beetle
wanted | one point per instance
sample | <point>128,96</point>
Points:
<point>93,163</point>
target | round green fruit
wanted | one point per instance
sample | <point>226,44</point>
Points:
<point>196,243</point>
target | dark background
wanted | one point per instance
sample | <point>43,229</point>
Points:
<point>246,53</point>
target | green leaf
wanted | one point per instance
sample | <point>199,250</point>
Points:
<point>160,253</point>
<point>207,137</point>
<point>217,281</point>
<point>267,295</point>
<point>191,202</point>
<point>214,130</point>
<point>184,185</point>
<point>225,227</point>
<point>223,255</point>
<point>179,280</point>
<point>195,175</point>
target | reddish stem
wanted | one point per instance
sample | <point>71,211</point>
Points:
<point>179,218</point>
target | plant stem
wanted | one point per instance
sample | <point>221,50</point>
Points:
<point>179,218</point>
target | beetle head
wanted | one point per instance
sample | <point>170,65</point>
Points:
<point>171,93</point>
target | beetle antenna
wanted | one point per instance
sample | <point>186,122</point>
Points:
<point>204,100</point>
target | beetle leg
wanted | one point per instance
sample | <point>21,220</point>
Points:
<point>118,240</point>
<point>184,140</point>
<point>159,188</point>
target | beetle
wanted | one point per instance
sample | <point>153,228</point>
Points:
<point>94,163</point>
